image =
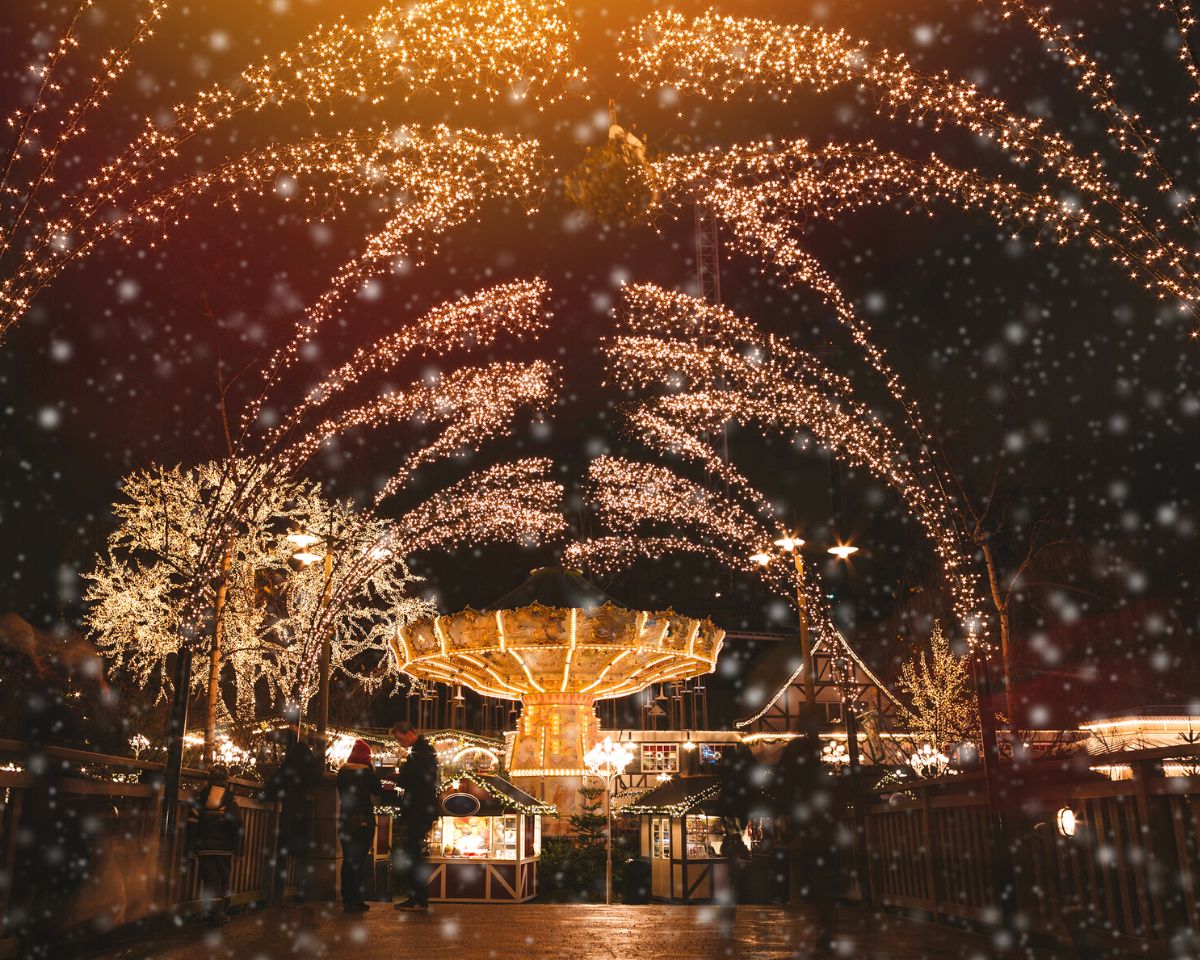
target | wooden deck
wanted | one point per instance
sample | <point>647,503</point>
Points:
<point>564,932</point>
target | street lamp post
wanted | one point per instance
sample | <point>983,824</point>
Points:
<point>842,551</point>
<point>607,761</point>
<point>792,545</point>
<point>304,542</point>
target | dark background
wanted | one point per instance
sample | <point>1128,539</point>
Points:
<point>1041,363</point>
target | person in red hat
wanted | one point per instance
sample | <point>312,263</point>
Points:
<point>358,786</point>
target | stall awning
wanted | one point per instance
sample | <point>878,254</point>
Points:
<point>677,797</point>
<point>495,795</point>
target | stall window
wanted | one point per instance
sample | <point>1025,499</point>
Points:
<point>660,758</point>
<point>705,837</point>
<point>509,847</point>
<point>660,838</point>
<point>476,838</point>
<point>711,753</point>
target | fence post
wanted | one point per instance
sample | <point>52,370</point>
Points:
<point>927,835</point>
<point>1157,840</point>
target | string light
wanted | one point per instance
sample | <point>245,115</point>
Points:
<point>719,58</point>
<point>516,310</point>
<point>719,368</point>
<point>507,503</point>
<point>484,50</point>
<point>698,795</point>
<point>640,499</point>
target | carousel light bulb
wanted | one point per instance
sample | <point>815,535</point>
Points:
<point>843,550</point>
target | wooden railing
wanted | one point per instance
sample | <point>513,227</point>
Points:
<point>1128,876</point>
<point>113,806</point>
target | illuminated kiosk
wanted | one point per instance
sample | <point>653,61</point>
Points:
<point>486,844</point>
<point>683,839</point>
<point>557,644</point>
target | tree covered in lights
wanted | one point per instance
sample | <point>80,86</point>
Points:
<point>272,611</point>
<point>943,708</point>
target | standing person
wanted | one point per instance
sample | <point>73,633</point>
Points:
<point>418,778</point>
<point>807,796</point>
<point>293,784</point>
<point>214,836</point>
<point>357,784</point>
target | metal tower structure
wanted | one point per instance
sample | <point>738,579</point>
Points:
<point>708,254</point>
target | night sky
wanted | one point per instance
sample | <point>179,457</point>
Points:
<point>1043,364</point>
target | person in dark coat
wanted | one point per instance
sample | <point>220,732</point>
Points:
<point>214,837</point>
<point>358,786</point>
<point>807,795</point>
<point>737,796</point>
<point>293,785</point>
<point>418,778</point>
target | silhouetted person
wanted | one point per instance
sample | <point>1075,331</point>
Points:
<point>293,784</point>
<point>738,795</point>
<point>59,841</point>
<point>806,796</point>
<point>214,837</point>
<point>358,787</point>
<point>418,778</point>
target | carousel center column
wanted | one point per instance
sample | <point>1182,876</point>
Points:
<point>554,732</point>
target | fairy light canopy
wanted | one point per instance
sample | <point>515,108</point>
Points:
<point>557,635</point>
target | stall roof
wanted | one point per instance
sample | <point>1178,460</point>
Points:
<point>504,796</point>
<point>514,793</point>
<point>677,797</point>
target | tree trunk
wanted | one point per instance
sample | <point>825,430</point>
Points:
<point>214,661</point>
<point>1006,653</point>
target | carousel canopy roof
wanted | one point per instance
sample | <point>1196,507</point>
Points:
<point>555,587</point>
<point>594,648</point>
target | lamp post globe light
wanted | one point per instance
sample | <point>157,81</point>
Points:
<point>792,545</point>
<point>608,760</point>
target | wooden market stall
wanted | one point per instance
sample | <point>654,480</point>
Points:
<point>683,838</point>
<point>486,845</point>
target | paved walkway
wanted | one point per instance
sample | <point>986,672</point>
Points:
<point>559,932</point>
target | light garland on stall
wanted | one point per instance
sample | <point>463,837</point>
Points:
<point>528,809</point>
<point>680,809</point>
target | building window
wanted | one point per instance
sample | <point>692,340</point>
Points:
<point>660,838</point>
<point>660,758</point>
<point>711,753</point>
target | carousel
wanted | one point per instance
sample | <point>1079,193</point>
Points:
<point>558,645</point>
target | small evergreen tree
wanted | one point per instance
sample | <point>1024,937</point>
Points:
<point>944,709</point>
<point>590,823</point>
<point>573,866</point>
